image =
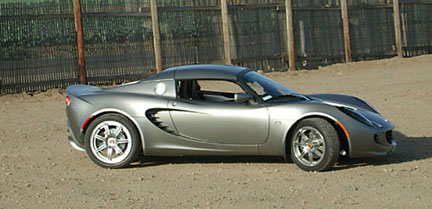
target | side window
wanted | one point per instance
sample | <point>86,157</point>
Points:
<point>219,86</point>
<point>208,90</point>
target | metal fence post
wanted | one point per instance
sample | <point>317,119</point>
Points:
<point>82,74</point>
<point>225,28</point>
<point>290,35</point>
<point>398,35</point>
<point>347,40</point>
<point>156,36</point>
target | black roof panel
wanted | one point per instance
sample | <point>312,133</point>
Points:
<point>206,71</point>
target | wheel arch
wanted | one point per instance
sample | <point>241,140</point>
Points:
<point>102,112</point>
<point>343,138</point>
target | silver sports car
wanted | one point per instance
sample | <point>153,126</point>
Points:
<point>221,110</point>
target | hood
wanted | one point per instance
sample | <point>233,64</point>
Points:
<point>343,100</point>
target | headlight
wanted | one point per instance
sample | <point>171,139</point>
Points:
<point>356,115</point>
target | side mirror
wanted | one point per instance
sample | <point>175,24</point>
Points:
<point>241,97</point>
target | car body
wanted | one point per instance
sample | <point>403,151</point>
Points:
<point>172,114</point>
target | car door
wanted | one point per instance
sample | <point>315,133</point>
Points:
<point>214,117</point>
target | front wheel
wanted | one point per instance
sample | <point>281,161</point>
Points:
<point>314,145</point>
<point>112,141</point>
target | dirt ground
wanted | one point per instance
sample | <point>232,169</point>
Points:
<point>39,169</point>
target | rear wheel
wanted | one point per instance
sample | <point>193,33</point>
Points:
<point>112,141</point>
<point>314,145</point>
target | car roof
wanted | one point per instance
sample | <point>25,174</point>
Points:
<point>203,71</point>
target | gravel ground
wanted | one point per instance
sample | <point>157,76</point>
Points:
<point>39,169</point>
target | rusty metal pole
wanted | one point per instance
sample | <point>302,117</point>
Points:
<point>397,25</point>
<point>290,35</point>
<point>156,36</point>
<point>82,74</point>
<point>347,41</point>
<point>225,28</point>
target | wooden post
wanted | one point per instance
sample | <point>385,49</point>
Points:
<point>290,35</point>
<point>398,35</point>
<point>347,41</point>
<point>156,36</point>
<point>225,28</point>
<point>82,74</point>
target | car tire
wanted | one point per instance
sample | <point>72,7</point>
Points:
<point>112,141</point>
<point>314,145</point>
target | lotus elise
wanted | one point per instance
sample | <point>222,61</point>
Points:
<point>221,110</point>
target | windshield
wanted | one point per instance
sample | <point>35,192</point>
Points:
<point>265,87</point>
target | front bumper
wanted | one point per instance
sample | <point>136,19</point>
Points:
<point>385,141</point>
<point>376,144</point>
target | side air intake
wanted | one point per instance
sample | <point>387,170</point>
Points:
<point>162,120</point>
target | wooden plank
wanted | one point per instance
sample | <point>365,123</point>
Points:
<point>93,14</point>
<point>255,58</point>
<point>39,84</point>
<point>32,17</point>
<point>80,42</point>
<point>290,35</point>
<point>190,8</point>
<point>156,36</point>
<point>398,35</point>
<point>146,12</point>
<point>225,28</point>
<point>276,6</point>
<point>416,3</point>
<point>347,40</point>
<point>118,14</point>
